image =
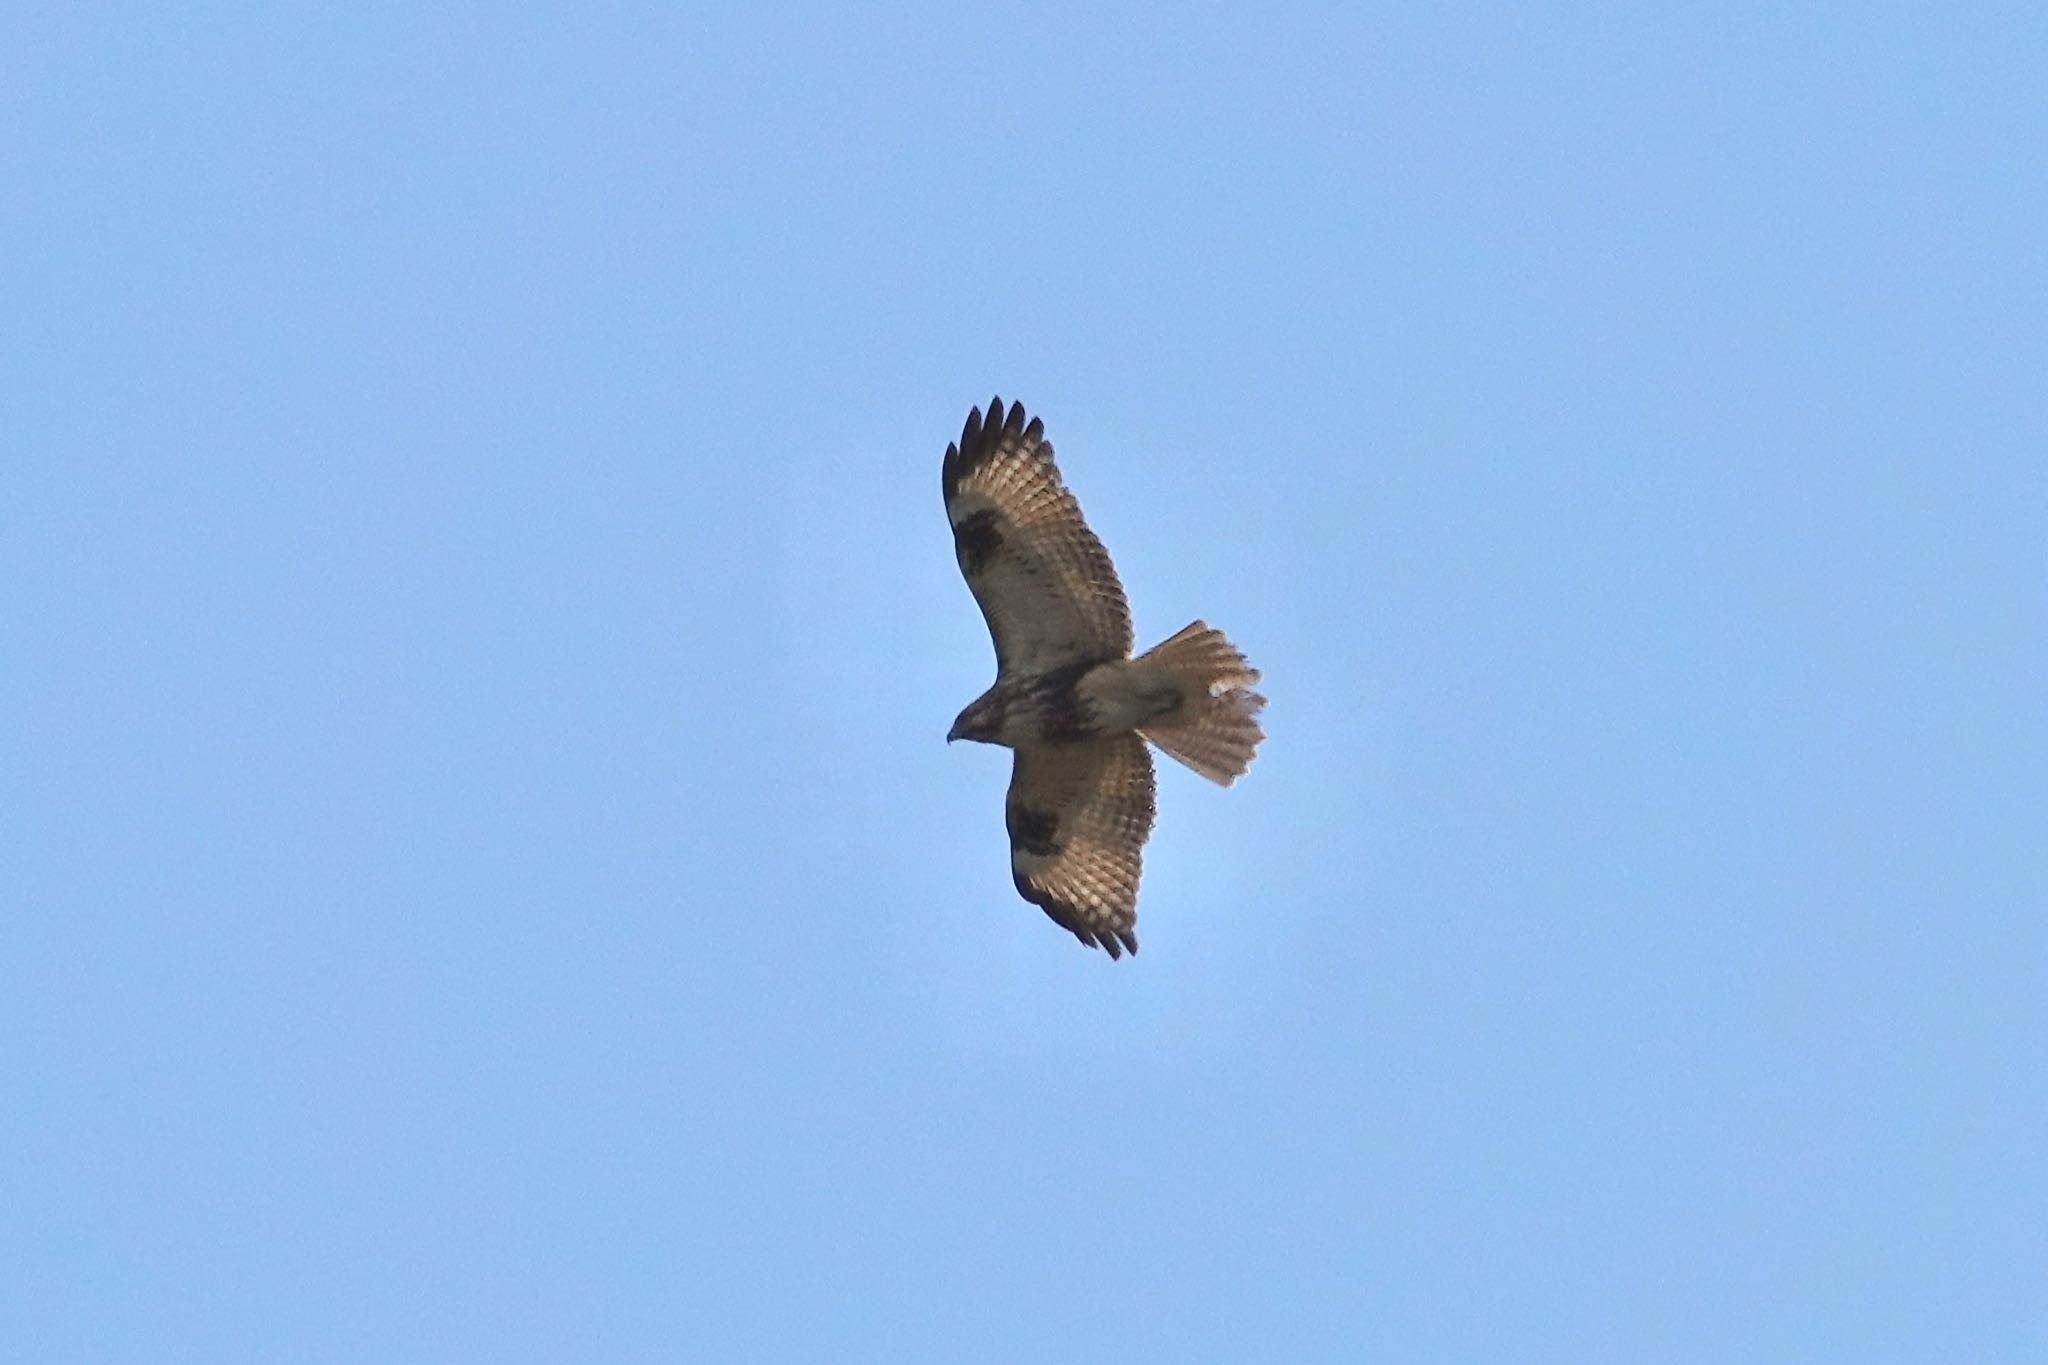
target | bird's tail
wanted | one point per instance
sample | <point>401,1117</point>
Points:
<point>1215,731</point>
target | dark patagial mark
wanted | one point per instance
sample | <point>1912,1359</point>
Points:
<point>1031,831</point>
<point>978,539</point>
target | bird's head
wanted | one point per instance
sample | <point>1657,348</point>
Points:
<point>982,719</point>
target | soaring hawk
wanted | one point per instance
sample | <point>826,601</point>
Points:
<point>1068,697</point>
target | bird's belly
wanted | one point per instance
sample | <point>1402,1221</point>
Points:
<point>1125,696</point>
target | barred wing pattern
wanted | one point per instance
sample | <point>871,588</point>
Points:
<point>1044,582</point>
<point>1079,815</point>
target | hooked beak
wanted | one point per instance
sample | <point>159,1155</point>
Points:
<point>953,733</point>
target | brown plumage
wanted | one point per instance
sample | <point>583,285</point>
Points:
<point>1068,696</point>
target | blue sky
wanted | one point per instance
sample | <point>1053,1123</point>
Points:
<point>484,877</point>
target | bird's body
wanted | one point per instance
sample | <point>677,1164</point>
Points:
<point>1068,696</point>
<point>1073,702</point>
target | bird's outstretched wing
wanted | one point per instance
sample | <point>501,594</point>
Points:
<point>1079,815</point>
<point>1043,580</point>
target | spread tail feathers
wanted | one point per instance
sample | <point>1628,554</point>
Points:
<point>1216,729</point>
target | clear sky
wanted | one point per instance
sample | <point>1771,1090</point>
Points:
<point>483,877</point>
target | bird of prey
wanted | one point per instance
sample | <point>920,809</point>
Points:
<point>1069,699</point>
